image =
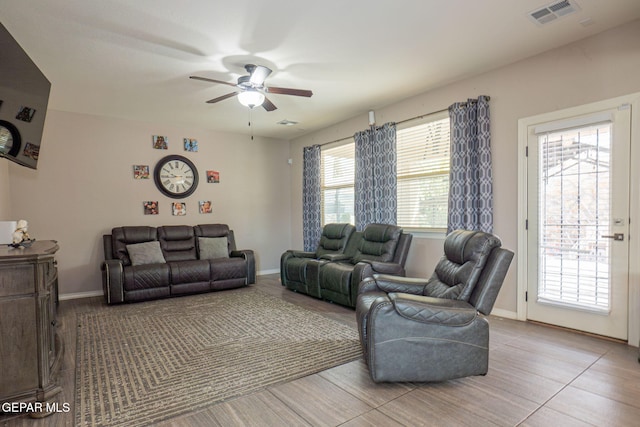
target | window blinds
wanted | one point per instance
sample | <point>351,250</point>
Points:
<point>338,166</point>
<point>423,172</point>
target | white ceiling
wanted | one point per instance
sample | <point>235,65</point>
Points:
<point>132,59</point>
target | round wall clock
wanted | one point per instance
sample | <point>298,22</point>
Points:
<point>176,176</point>
<point>10,140</point>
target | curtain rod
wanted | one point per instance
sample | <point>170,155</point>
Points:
<point>439,111</point>
<point>403,121</point>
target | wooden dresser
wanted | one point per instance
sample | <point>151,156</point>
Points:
<point>30,349</point>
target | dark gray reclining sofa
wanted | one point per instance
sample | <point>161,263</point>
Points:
<point>143,263</point>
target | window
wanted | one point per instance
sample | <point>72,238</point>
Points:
<point>423,172</point>
<point>423,176</point>
<point>337,182</point>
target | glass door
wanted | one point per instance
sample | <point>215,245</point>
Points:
<point>578,223</point>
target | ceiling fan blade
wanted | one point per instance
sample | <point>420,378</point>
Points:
<point>211,80</point>
<point>258,74</point>
<point>268,105</point>
<point>287,91</point>
<point>222,98</point>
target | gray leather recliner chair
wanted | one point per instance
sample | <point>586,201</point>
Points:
<point>434,330</point>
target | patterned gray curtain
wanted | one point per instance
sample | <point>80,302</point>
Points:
<point>471,188</point>
<point>311,198</point>
<point>375,192</point>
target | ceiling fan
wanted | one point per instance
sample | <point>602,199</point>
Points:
<point>252,89</point>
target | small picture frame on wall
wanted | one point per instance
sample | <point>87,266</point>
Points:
<point>160,142</point>
<point>141,171</point>
<point>205,207</point>
<point>150,207</point>
<point>213,177</point>
<point>31,151</point>
<point>1,101</point>
<point>26,114</point>
<point>178,209</point>
<point>190,144</point>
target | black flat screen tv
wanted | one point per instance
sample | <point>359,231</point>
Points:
<point>24,96</point>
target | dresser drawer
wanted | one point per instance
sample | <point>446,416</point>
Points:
<point>17,279</point>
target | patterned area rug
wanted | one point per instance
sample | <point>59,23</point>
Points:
<point>138,364</point>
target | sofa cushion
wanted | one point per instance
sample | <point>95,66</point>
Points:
<point>228,268</point>
<point>378,243</point>
<point>336,277</point>
<point>295,269</point>
<point>145,253</point>
<point>456,274</point>
<point>178,242</point>
<point>191,271</point>
<point>123,236</point>
<point>147,276</point>
<point>334,238</point>
<point>212,230</point>
<point>213,247</point>
<point>216,230</point>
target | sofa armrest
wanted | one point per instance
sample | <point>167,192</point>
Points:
<point>387,268</point>
<point>313,273</point>
<point>446,312</point>
<point>407,285</point>
<point>107,246</point>
<point>364,269</point>
<point>368,284</point>
<point>113,281</point>
<point>250,259</point>
<point>335,257</point>
<point>302,254</point>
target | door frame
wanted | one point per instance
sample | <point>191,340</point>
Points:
<point>633,101</point>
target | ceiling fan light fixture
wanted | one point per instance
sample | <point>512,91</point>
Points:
<point>251,98</point>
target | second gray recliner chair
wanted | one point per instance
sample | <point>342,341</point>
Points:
<point>434,330</point>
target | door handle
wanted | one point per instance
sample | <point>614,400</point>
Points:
<point>616,236</point>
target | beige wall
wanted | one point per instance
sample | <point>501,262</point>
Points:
<point>4,190</point>
<point>601,67</point>
<point>84,186</point>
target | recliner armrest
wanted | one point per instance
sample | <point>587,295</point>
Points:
<point>364,269</point>
<point>335,257</point>
<point>250,259</point>
<point>368,284</point>
<point>113,281</point>
<point>302,254</point>
<point>446,312</point>
<point>387,268</point>
<point>407,285</point>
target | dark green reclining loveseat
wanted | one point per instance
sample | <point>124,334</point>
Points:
<point>344,257</point>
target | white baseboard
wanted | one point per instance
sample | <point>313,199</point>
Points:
<point>507,314</point>
<point>77,295</point>
<point>265,272</point>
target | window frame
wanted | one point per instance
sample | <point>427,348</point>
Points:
<point>424,231</point>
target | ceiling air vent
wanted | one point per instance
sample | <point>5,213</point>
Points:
<point>553,11</point>
<point>286,122</point>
